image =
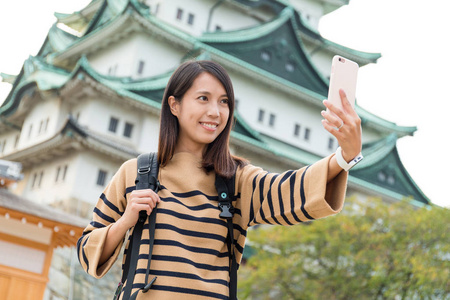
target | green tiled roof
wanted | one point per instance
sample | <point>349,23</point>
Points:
<point>382,166</point>
<point>305,29</point>
<point>275,48</point>
<point>35,72</point>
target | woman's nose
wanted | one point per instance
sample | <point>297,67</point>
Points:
<point>213,109</point>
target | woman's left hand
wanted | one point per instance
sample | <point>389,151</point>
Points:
<point>344,125</point>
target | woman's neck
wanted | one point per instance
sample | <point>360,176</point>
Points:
<point>196,151</point>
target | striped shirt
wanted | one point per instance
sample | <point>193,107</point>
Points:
<point>190,254</point>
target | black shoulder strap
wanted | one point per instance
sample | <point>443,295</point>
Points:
<point>225,189</point>
<point>147,178</point>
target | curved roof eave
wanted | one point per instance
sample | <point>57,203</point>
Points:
<point>376,151</point>
<point>55,78</point>
<point>80,16</point>
<point>377,190</point>
<point>72,130</point>
<point>247,33</point>
<point>371,120</point>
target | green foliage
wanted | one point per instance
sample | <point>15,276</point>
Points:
<point>370,250</point>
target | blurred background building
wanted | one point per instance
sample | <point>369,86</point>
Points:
<point>90,100</point>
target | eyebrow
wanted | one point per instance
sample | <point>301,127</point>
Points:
<point>208,93</point>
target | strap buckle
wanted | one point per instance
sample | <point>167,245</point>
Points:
<point>226,210</point>
<point>143,170</point>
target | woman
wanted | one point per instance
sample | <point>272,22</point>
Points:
<point>190,256</point>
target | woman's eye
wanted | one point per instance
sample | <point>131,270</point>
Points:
<point>203,98</point>
<point>224,101</point>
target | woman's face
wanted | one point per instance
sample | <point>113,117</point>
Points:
<point>202,113</point>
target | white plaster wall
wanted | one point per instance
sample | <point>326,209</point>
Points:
<point>117,56</point>
<point>50,190</point>
<point>124,57</point>
<point>97,114</point>
<point>87,165</point>
<point>8,141</point>
<point>149,133</point>
<point>199,8</point>
<point>224,15</point>
<point>79,109</point>
<point>288,110</point>
<point>229,18</point>
<point>159,56</point>
<point>46,109</point>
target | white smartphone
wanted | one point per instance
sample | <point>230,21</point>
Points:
<point>344,73</point>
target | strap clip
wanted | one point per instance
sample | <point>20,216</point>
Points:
<point>149,285</point>
<point>226,210</point>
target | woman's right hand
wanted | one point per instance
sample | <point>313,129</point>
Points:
<point>138,200</point>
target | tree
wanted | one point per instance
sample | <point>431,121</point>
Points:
<point>371,250</point>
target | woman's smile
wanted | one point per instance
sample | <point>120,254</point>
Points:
<point>209,126</point>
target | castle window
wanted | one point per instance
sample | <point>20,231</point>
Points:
<point>381,176</point>
<point>391,179</point>
<point>261,115</point>
<point>191,19</point>
<point>330,143</point>
<point>113,124</point>
<point>272,118</point>
<point>2,146</point>
<point>265,56</point>
<point>179,14</point>
<point>40,178</point>
<point>112,70</point>
<point>141,67</point>
<point>307,134</point>
<point>58,170</point>
<point>290,67</point>
<point>41,127</point>
<point>128,129</point>
<point>101,178</point>
<point>64,173</point>
<point>297,130</point>
<point>33,183</point>
<point>30,130</point>
<point>61,173</point>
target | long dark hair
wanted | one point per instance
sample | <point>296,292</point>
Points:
<point>217,156</point>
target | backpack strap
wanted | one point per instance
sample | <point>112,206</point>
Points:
<point>147,178</point>
<point>224,187</point>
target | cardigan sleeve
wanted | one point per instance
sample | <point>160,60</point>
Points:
<point>290,197</point>
<point>109,208</point>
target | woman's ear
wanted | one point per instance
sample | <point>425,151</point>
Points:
<point>174,105</point>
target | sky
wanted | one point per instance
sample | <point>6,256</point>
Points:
<point>407,86</point>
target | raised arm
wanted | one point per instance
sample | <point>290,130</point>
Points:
<point>345,126</point>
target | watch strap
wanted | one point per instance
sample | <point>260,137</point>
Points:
<point>347,165</point>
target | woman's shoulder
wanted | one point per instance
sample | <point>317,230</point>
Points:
<point>128,168</point>
<point>247,170</point>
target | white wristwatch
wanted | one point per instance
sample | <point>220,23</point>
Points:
<point>343,164</point>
